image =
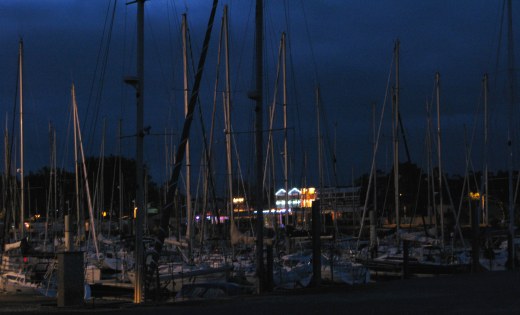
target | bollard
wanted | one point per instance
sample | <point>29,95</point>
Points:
<point>71,279</point>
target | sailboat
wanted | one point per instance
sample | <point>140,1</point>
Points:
<point>506,255</point>
<point>157,269</point>
<point>21,272</point>
<point>15,270</point>
<point>407,252</point>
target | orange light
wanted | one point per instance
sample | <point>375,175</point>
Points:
<point>307,196</point>
<point>474,195</point>
<point>238,200</point>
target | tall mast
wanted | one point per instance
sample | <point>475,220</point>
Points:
<point>138,84</point>
<point>429,167</point>
<point>6,181</point>
<point>374,152</point>
<point>258,96</point>
<point>22,180</point>
<point>189,214</point>
<point>120,175</point>
<point>139,261</point>
<point>318,129</point>
<point>227,118</point>
<point>396,140</point>
<point>76,165</point>
<point>439,155</point>
<point>512,85</point>
<point>55,172</point>
<point>101,181</point>
<point>285,151</point>
<point>85,174</point>
<point>485,217</point>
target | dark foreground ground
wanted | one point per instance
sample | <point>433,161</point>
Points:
<point>483,293</point>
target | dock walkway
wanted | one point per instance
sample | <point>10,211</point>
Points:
<point>482,293</point>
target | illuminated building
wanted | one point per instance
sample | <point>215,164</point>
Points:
<point>293,198</point>
<point>239,205</point>
<point>308,195</point>
<point>336,202</point>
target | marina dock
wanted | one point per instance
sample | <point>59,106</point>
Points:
<point>481,293</point>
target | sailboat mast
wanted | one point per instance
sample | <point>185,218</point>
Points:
<point>120,175</point>
<point>372,217</point>
<point>396,140</point>
<point>429,168</point>
<point>55,174</point>
<point>85,175</point>
<point>485,197</point>
<point>258,97</point>
<point>139,193</point>
<point>76,165</point>
<point>512,85</point>
<point>285,151</point>
<point>227,117</point>
<point>439,155</point>
<point>5,183</point>
<point>22,180</point>
<point>318,129</point>
<point>189,214</point>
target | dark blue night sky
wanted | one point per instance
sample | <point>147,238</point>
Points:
<point>344,47</point>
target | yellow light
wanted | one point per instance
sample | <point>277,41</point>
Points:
<point>135,212</point>
<point>238,200</point>
<point>474,195</point>
<point>37,216</point>
<point>104,214</point>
